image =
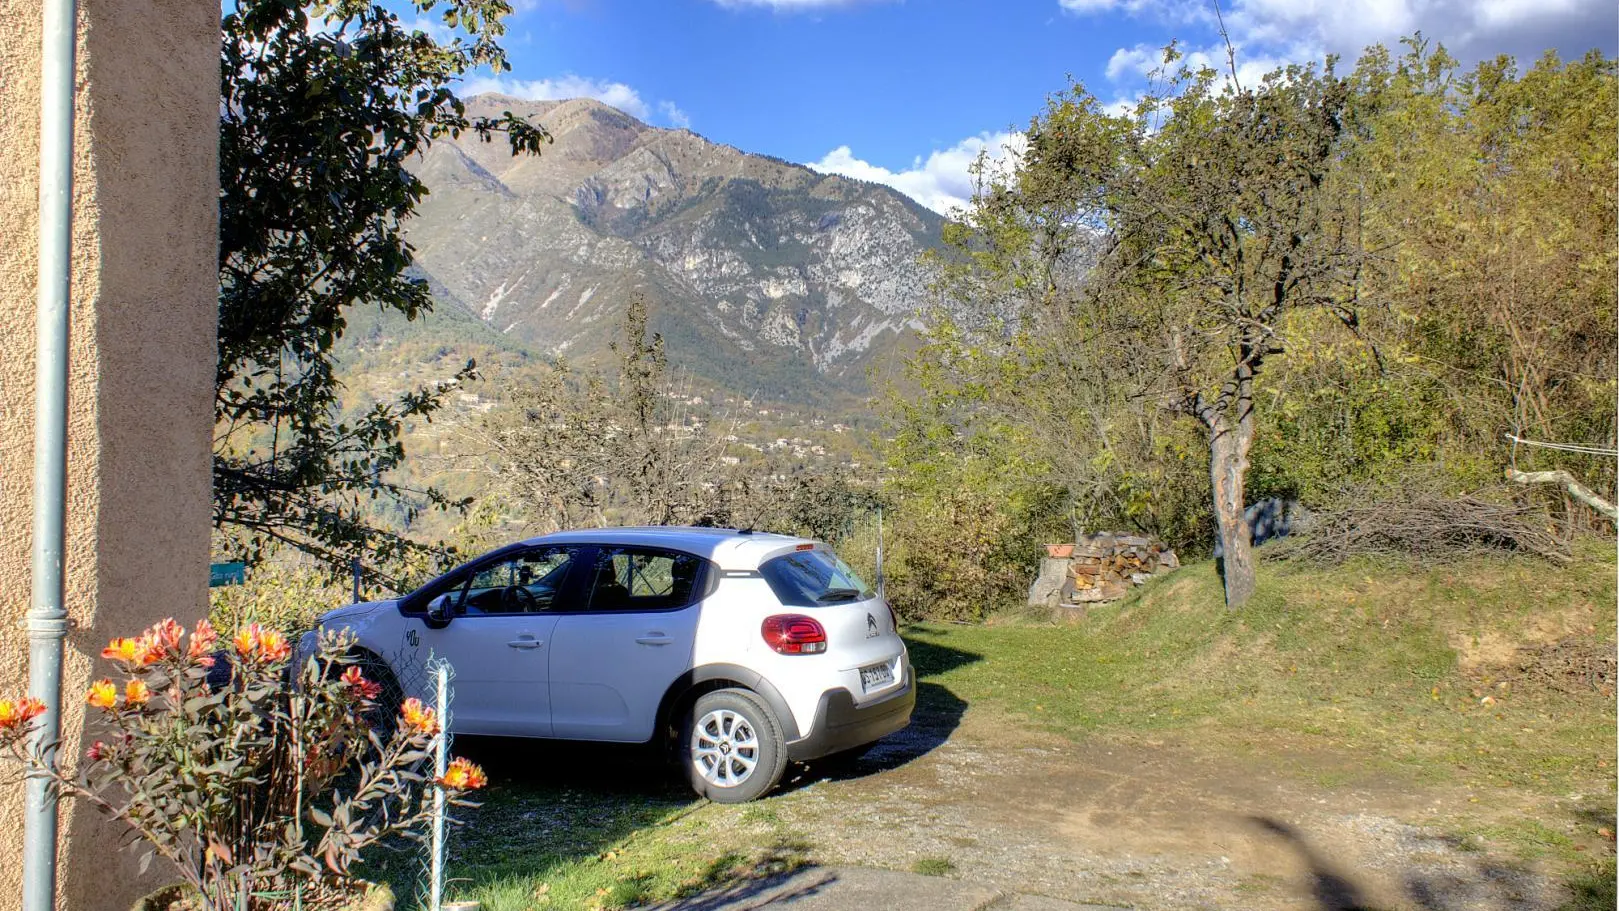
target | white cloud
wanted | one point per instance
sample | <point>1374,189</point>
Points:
<point>1271,31</point>
<point>1133,62</point>
<point>673,115</point>
<point>1102,6</point>
<point>942,182</point>
<point>561,88</point>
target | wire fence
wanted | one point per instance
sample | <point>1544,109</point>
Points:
<point>432,681</point>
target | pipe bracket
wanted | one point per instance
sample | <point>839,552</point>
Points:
<point>47,627</point>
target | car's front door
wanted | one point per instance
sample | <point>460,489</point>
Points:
<point>612,661</point>
<point>499,642</point>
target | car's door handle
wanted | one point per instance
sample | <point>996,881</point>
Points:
<point>526,642</point>
<point>654,639</point>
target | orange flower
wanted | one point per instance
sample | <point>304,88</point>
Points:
<point>202,643</point>
<point>359,686</point>
<point>166,635</point>
<point>273,647</point>
<point>126,650</point>
<point>16,713</point>
<point>417,718</point>
<point>136,692</point>
<point>103,694</point>
<point>462,775</point>
<point>151,650</point>
<point>247,640</point>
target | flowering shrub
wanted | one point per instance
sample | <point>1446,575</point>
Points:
<point>258,789</point>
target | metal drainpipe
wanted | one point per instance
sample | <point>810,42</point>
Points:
<point>47,620</point>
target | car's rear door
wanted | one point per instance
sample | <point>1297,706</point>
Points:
<point>613,659</point>
<point>500,639</point>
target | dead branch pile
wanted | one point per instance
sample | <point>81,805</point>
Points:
<point>1422,525</point>
<point>1570,667</point>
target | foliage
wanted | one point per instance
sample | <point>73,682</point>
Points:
<point>261,788</point>
<point>1496,191</point>
<point>322,108</point>
<point>958,559</point>
<point>1122,275</point>
<point>277,594</point>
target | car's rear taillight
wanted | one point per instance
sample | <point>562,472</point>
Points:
<point>794,634</point>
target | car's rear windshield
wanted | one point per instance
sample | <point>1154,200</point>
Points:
<point>813,578</point>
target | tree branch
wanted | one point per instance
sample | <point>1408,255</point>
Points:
<point>1575,489</point>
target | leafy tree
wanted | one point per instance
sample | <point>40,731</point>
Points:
<point>1168,254</point>
<point>1226,223</point>
<point>1495,191</point>
<point>323,107</point>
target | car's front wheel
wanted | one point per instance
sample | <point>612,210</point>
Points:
<point>734,750</point>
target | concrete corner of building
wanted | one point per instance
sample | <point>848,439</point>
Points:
<point>141,364</point>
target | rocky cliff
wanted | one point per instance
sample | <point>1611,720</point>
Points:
<point>766,278</point>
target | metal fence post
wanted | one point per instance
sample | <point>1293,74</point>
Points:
<point>880,552</point>
<point>441,749</point>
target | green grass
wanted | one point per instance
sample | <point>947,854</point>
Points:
<point>933,866</point>
<point>1374,668</point>
<point>1593,889</point>
<point>620,840</point>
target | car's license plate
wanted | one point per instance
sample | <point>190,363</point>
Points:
<point>876,676</point>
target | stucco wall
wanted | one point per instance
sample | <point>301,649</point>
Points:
<point>141,377</point>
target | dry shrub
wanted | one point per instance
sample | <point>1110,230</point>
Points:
<point>1423,523</point>
<point>1571,667</point>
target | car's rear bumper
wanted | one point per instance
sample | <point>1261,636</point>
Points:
<point>841,725</point>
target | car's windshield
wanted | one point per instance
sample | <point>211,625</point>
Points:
<point>808,578</point>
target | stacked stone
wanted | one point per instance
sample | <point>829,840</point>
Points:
<point>1105,565</point>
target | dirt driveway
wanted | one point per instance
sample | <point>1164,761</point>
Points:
<point>1153,824</point>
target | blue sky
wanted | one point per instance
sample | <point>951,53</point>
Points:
<point>907,91</point>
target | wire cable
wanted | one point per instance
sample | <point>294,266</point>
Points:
<point>1564,447</point>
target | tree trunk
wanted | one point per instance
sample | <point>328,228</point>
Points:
<point>1228,469</point>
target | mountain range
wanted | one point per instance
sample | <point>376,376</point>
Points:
<point>767,279</point>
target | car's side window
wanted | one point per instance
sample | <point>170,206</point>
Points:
<point>642,579</point>
<point>526,582</point>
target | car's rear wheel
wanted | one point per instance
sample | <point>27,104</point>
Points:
<point>734,751</point>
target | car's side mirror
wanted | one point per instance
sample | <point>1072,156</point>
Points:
<point>440,609</point>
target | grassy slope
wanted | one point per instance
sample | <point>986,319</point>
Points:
<point>1360,671</point>
<point>1380,662</point>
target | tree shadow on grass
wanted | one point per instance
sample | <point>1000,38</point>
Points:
<point>782,876</point>
<point>1489,883</point>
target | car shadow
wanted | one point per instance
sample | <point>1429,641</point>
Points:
<point>937,714</point>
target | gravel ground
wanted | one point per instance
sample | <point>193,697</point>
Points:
<point>1150,824</point>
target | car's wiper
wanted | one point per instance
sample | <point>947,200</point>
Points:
<point>835,595</point>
